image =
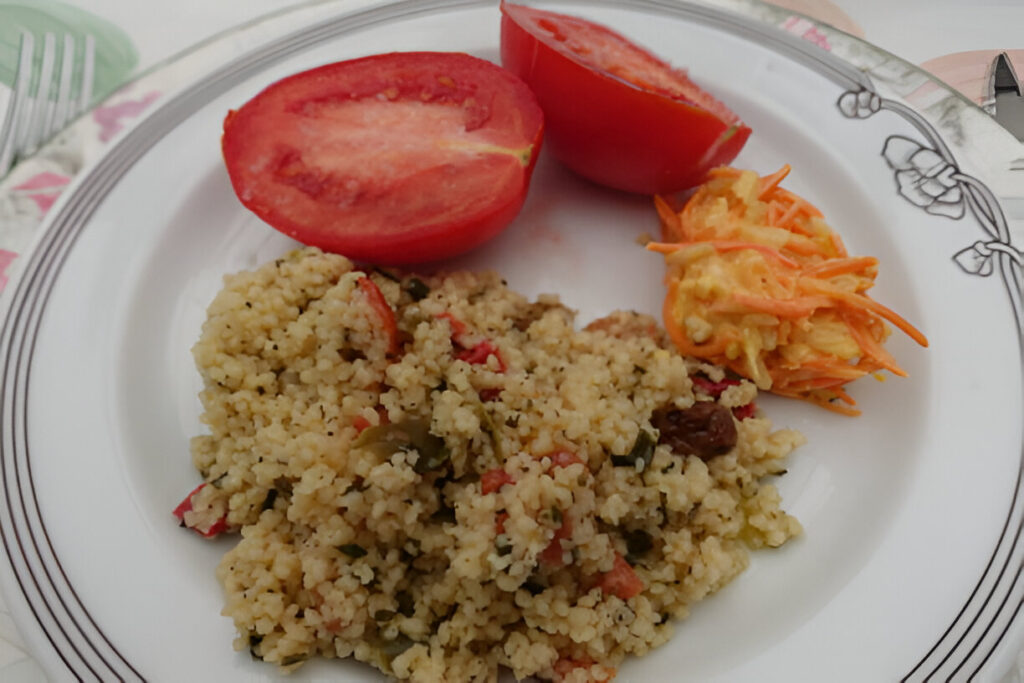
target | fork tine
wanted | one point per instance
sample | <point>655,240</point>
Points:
<point>38,116</point>
<point>16,105</point>
<point>67,69</point>
<point>88,66</point>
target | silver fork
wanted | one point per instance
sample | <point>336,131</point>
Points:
<point>33,115</point>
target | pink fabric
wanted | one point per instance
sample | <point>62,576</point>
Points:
<point>806,30</point>
<point>6,257</point>
<point>44,189</point>
<point>109,118</point>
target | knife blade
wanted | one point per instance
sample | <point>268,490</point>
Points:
<point>1005,93</point>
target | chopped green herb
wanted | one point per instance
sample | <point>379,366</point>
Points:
<point>385,274</point>
<point>433,459</point>
<point>383,615</point>
<point>417,289</point>
<point>556,515</point>
<point>406,605</point>
<point>353,550</point>
<point>643,451</point>
<point>393,648</point>
<point>444,514</point>
<point>410,551</point>
<point>387,439</point>
<point>638,543</point>
<point>293,659</point>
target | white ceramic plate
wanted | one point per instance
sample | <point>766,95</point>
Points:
<point>910,564</point>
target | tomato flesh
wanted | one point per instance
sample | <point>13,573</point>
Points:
<point>615,113</point>
<point>396,158</point>
<point>621,580</point>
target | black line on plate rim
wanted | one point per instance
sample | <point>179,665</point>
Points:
<point>1010,278</point>
<point>27,307</point>
<point>45,260</point>
<point>7,502</point>
<point>56,262</point>
<point>1006,627</point>
<point>48,259</point>
<point>999,610</point>
<point>54,244</point>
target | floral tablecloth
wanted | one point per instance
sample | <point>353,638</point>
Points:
<point>34,185</point>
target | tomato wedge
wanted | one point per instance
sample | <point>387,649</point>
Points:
<point>615,113</point>
<point>396,158</point>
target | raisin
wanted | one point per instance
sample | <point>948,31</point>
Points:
<point>705,430</point>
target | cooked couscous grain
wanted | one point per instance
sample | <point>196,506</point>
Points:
<point>437,477</point>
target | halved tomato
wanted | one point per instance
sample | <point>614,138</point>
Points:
<point>615,113</point>
<point>396,158</point>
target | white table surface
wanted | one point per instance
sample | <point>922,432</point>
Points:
<point>920,31</point>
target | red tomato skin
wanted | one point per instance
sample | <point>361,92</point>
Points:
<point>609,130</point>
<point>428,237</point>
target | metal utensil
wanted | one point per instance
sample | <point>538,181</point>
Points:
<point>46,94</point>
<point>1005,93</point>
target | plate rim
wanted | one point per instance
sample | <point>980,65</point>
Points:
<point>26,298</point>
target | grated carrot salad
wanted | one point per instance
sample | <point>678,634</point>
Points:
<point>759,283</point>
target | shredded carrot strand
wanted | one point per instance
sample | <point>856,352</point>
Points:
<point>769,183</point>
<point>871,347</point>
<point>801,313</point>
<point>863,302</point>
<point>726,245</point>
<point>671,224</point>
<point>681,339</point>
<point>841,266</point>
<point>809,209</point>
<point>800,307</point>
<point>837,244</point>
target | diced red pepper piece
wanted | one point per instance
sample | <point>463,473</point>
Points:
<point>458,327</point>
<point>743,412</point>
<point>713,389</point>
<point>553,555</point>
<point>499,522</point>
<point>491,394</point>
<point>186,506</point>
<point>384,312</point>
<point>563,458</point>
<point>621,580</point>
<point>215,528</point>
<point>474,355</point>
<point>361,423</point>
<point>566,665</point>
<point>479,353</point>
<point>492,480</point>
